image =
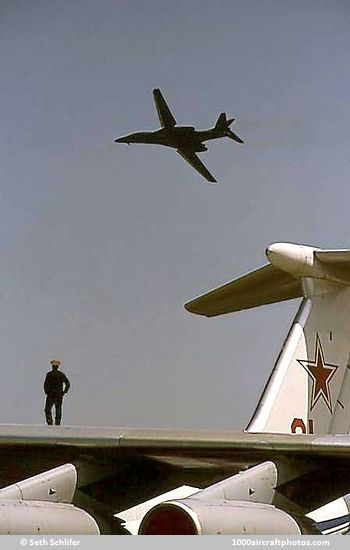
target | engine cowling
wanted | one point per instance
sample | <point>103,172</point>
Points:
<point>201,148</point>
<point>196,517</point>
<point>45,518</point>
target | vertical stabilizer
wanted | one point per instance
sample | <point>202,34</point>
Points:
<point>309,388</point>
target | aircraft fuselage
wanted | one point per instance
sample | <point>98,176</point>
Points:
<point>176,137</point>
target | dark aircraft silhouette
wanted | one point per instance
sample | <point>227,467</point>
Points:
<point>185,139</point>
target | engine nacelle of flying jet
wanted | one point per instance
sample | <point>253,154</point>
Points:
<point>194,517</point>
<point>201,148</point>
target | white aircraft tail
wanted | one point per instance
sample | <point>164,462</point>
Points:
<point>309,388</point>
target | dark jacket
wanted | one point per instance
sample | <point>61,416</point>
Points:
<point>56,383</point>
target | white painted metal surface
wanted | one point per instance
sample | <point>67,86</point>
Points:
<point>257,484</point>
<point>56,485</point>
<point>44,518</point>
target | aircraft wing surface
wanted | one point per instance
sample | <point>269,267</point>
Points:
<point>119,468</point>
<point>197,164</point>
<point>166,117</point>
<point>265,285</point>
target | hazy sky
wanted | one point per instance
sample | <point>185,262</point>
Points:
<point>101,244</point>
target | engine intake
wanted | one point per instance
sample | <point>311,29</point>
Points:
<point>195,517</point>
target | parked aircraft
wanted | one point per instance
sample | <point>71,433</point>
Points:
<point>274,478</point>
<point>185,139</point>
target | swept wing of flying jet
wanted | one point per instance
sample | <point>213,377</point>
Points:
<point>185,139</point>
<point>274,478</point>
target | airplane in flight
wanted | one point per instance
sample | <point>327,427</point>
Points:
<point>287,473</point>
<point>185,139</point>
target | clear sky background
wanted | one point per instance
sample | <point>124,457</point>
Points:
<point>101,244</point>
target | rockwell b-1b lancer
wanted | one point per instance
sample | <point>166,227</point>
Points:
<point>185,139</point>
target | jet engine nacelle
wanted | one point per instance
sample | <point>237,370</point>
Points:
<point>45,518</point>
<point>296,259</point>
<point>196,517</point>
<point>201,148</point>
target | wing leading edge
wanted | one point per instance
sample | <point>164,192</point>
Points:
<point>193,160</point>
<point>181,443</point>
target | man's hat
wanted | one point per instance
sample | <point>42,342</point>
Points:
<point>55,362</point>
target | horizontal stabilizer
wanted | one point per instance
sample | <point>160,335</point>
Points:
<point>340,256</point>
<point>234,136</point>
<point>266,285</point>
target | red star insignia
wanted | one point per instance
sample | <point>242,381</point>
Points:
<point>321,374</point>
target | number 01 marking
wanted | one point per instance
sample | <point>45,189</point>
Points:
<point>298,425</point>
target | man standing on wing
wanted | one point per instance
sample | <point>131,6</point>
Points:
<point>56,385</point>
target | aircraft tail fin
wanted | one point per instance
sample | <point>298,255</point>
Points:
<point>308,390</point>
<point>223,126</point>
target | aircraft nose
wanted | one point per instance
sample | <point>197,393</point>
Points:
<point>122,140</point>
